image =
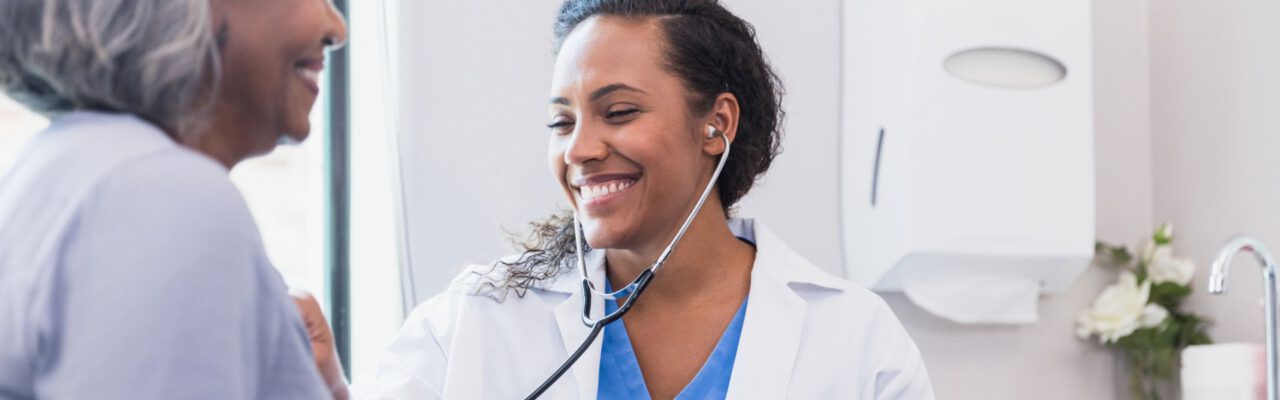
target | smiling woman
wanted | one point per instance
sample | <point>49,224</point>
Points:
<point>129,264</point>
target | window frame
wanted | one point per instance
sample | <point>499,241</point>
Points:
<point>337,209</point>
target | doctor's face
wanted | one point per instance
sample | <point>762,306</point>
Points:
<point>623,145</point>
<point>272,55</point>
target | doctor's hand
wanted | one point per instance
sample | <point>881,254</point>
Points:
<point>321,342</point>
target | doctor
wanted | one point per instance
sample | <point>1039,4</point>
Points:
<point>643,96</point>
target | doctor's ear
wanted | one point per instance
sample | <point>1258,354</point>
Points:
<point>723,122</point>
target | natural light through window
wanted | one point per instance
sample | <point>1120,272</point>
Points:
<point>377,306</point>
<point>284,190</point>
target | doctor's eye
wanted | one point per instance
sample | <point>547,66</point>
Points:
<point>560,126</point>
<point>621,115</point>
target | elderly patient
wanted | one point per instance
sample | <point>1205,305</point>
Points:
<point>130,267</point>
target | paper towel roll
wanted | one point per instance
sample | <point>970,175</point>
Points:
<point>1227,371</point>
<point>976,299</point>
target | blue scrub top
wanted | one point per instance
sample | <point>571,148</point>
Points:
<point>620,376</point>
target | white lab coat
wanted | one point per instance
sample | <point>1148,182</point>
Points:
<point>806,335</point>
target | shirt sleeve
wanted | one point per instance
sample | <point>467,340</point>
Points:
<point>158,295</point>
<point>414,365</point>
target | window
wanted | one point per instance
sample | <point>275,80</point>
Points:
<point>284,191</point>
<point>377,305</point>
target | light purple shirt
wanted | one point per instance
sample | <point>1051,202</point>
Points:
<point>130,268</point>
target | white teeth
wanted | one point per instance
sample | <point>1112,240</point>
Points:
<point>310,75</point>
<point>591,192</point>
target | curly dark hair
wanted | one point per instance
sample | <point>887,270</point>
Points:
<point>713,52</point>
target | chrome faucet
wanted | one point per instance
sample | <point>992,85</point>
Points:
<point>1218,285</point>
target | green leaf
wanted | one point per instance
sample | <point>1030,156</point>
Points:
<point>1195,332</point>
<point>1167,333</point>
<point>1199,338</point>
<point>1139,340</point>
<point>1112,255</point>
<point>1169,294</point>
<point>1163,360</point>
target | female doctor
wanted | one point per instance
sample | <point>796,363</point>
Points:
<point>644,95</point>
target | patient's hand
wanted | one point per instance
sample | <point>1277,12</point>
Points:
<point>321,342</point>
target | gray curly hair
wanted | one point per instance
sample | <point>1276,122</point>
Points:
<point>151,58</point>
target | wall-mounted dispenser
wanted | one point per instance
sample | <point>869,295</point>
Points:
<point>967,144</point>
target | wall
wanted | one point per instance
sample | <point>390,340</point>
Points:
<point>474,138</point>
<point>1216,117</point>
<point>798,198</point>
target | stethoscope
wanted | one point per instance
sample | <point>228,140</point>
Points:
<point>633,290</point>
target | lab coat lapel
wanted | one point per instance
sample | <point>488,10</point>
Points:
<point>774,324</point>
<point>769,342</point>
<point>586,372</point>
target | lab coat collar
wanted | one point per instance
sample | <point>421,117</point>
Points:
<point>771,330</point>
<point>778,264</point>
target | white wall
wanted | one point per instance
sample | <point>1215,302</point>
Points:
<point>476,76</point>
<point>1216,117</point>
<point>798,199</point>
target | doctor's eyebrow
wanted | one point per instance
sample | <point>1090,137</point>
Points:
<point>601,92</point>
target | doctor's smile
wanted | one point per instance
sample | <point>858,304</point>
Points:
<point>596,190</point>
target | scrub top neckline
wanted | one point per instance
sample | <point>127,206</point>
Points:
<point>621,377</point>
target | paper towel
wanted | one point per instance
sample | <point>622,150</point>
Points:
<point>1227,371</point>
<point>976,298</point>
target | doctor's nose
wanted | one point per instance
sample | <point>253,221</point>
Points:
<point>585,146</point>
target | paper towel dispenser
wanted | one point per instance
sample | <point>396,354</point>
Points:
<point>942,175</point>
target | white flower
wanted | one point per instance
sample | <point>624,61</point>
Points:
<point>1153,315</point>
<point>1164,267</point>
<point>1118,310</point>
<point>1149,252</point>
